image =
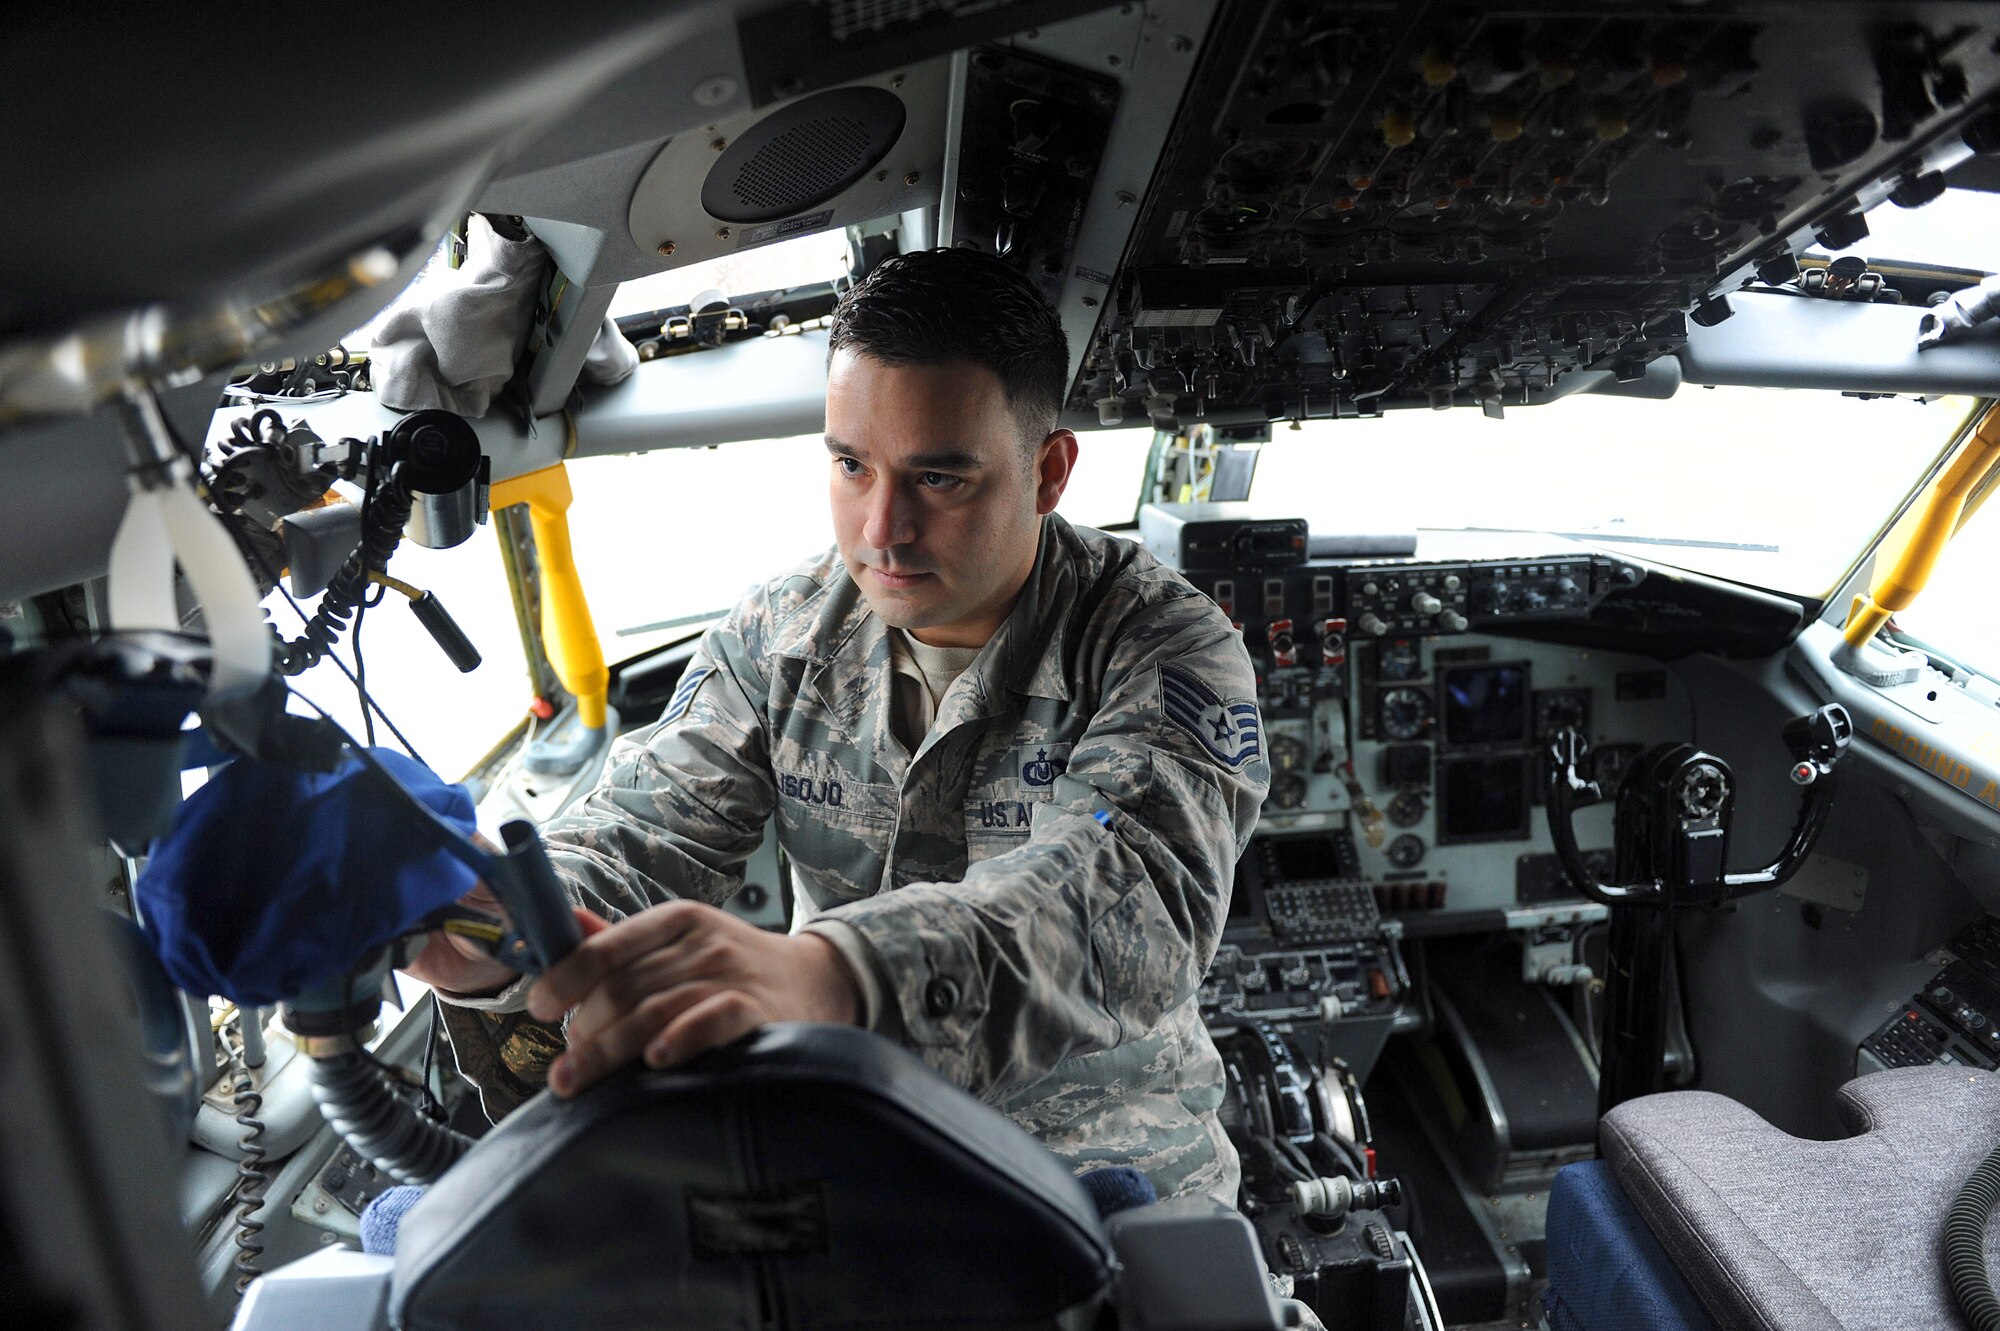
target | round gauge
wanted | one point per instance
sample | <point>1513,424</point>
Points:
<point>1286,753</point>
<point>1406,851</point>
<point>1326,222</point>
<point>1262,166</point>
<point>1288,790</point>
<point>1407,809</point>
<point>1227,223</point>
<point>1399,660</point>
<point>1608,765</point>
<point>1406,713</point>
<point>1557,710</point>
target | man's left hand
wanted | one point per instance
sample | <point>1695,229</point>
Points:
<point>679,979</point>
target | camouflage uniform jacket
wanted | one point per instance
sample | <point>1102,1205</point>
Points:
<point>1041,885</point>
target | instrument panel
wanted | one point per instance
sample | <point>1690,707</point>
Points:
<point>1406,727</point>
<point>1438,204</point>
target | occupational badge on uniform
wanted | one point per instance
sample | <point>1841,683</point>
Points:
<point>1229,730</point>
<point>1042,770</point>
<point>684,695</point>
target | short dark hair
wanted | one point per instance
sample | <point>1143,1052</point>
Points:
<point>929,306</point>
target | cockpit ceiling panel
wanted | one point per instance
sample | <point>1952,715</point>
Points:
<point>171,157</point>
<point>696,200</point>
<point>799,46</point>
<point>1452,204</point>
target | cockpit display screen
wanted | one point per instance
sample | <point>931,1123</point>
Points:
<point>1290,859</point>
<point>1485,705</point>
<point>1483,799</point>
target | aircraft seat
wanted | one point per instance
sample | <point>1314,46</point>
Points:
<point>1765,1230</point>
<point>810,1176</point>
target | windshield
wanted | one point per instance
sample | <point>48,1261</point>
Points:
<point>1777,488</point>
<point>822,257</point>
<point>670,539</point>
<point>1959,229</point>
<point>665,542</point>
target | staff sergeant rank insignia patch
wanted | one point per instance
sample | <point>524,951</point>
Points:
<point>1229,730</point>
<point>684,695</point>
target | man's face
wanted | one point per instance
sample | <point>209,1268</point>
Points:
<point>937,504</point>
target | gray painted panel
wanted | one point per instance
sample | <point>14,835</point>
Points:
<point>1155,45</point>
<point>1779,991</point>
<point>573,328</point>
<point>769,388</point>
<point>62,492</point>
<point>1781,341</point>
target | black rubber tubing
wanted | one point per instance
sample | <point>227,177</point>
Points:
<point>383,1128</point>
<point>1965,1245</point>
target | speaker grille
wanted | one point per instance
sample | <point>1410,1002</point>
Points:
<point>812,158</point>
<point>803,154</point>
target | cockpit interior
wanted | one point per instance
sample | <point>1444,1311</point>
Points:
<point>1583,411</point>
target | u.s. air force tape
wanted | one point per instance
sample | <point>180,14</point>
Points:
<point>1229,730</point>
<point>684,695</point>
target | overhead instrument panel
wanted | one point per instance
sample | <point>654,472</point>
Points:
<point>1451,204</point>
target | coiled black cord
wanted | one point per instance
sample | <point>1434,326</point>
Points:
<point>384,511</point>
<point>355,1096</point>
<point>1965,1245</point>
<point>248,1194</point>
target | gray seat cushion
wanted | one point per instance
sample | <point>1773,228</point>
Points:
<point>1775,1232</point>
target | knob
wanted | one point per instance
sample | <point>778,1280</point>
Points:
<point>1630,575</point>
<point>1453,622</point>
<point>1425,604</point>
<point>1566,588</point>
<point>1532,600</point>
<point>1452,582</point>
<point>1372,624</point>
<point>1493,597</point>
<point>1281,641</point>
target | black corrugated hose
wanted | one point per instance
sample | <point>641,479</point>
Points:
<point>383,1128</point>
<point>384,510</point>
<point>1965,1245</point>
<point>251,1180</point>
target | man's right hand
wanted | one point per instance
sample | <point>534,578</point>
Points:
<point>458,965</point>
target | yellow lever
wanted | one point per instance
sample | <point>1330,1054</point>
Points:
<point>569,636</point>
<point>1936,522</point>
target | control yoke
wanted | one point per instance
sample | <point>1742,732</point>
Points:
<point>1674,809</point>
<point>1670,841</point>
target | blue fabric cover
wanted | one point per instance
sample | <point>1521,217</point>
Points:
<point>274,880</point>
<point>1606,1270</point>
<point>383,1216</point>
<point>1118,1188</point>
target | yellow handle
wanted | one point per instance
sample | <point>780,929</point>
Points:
<point>1937,521</point>
<point>569,636</point>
